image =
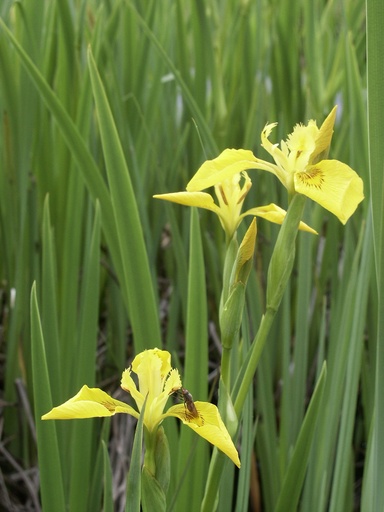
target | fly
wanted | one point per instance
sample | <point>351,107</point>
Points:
<point>189,403</point>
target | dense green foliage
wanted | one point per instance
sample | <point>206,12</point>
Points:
<point>94,270</point>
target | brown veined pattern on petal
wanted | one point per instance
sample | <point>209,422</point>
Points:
<point>313,178</point>
<point>334,185</point>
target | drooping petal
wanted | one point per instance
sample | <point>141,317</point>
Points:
<point>208,425</point>
<point>198,199</point>
<point>275,214</point>
<point>221,168</point>
<point>332,184</point>
<point>89,403</point>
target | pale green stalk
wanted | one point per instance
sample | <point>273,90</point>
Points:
<point>279,271</point>
<point>373,490</point>
<point>278,275</point>
<point>230,257</point>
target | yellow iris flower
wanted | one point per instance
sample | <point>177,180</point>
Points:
<point>157,381</point>
<point>231,183</point>
<point>302,167</point>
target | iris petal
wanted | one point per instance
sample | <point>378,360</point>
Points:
<point>221,168</point>
<point>275,214</point>
<point>209,425</point>
<point>324,137</point>
<point>89,403</point>
<point>332,184</point>
<point>198,199</point>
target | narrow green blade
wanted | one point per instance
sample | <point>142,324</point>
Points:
<point>137,278</point>
<point>133,494</point>
<point>51,483</point>
<point>294,478</point>
<point>108,495</point>
<point>373,489</point>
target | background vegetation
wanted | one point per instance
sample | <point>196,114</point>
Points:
<point>114,269</point>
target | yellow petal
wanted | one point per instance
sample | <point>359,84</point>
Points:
<point>324,137</point>
<point>209,425</point>
<point>173,382</point>
<point>302,140</point>
<point>155,404</point>
<point>221,168</point>
<point>153,369</point>
<point>265,142</point>
<point>129,385</point>
<point>332,184</point>
<point>281,170</point>
<point>163,355</point>
<point>198,199</point>
<point>150,367</point>
<point>89,403</point>
<point>275,214</point>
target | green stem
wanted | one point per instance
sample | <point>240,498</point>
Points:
<point>253,358</point>
<point>229,260</point>
<point>218,458</point>
<point>283,257</point>
<point>215,469</point>
<point>149,455</point>
<point>230,257</point>
<point>279,272</point>
<point>225,366</point>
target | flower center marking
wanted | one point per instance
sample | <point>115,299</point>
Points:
<point>109,406</point>
<point>311,178</point>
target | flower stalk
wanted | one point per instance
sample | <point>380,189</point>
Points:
<point>302,166</point>
<point>238,265</point>
<point>279,272</point>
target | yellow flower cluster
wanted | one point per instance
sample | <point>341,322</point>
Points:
<point>301,165</point>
